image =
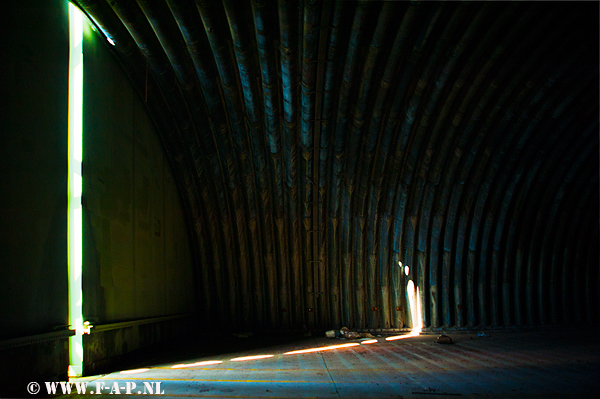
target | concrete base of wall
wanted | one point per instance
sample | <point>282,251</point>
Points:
<point>35,359</point>
<point>107,347</point>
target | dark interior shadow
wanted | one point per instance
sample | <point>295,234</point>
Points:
<point>207,344</point>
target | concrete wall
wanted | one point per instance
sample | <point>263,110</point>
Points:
<point>33,169</point>
<point>109,346</point>
<point>34,66</point>
<point>137,260</point>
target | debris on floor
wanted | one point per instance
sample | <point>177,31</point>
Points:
<point>345,333</point>
<point>330,334</point>
<point>444,339</point>
<point>482,334</point>
<point>368,335</point>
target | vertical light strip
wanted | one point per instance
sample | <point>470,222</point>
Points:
<point>414,298</point>
<point>75,188</point>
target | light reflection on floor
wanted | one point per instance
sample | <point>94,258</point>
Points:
<point>503,364</point>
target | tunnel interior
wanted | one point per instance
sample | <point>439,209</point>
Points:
<point>295,166</point>
<point>318,144</point>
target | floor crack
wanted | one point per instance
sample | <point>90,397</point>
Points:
<point>329,373</point>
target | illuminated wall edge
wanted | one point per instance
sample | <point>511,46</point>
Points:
<point>75,184</point>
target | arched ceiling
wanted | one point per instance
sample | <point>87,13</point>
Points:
<point>319,143</point>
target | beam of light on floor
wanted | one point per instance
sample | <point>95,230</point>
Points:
<point>136,371</point>
<point>416,332</point>
<point>369,341</point>
<point>206,363</point>
<point>245,358</point>
<point>403,336</point>
<point>322,348</point>
<point>414,297</point>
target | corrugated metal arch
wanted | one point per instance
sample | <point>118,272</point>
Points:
<point>317,144</point>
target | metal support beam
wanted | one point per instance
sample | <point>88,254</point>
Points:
<point>319,273</point>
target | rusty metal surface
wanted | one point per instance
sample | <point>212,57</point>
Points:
<point>526,364</point>
<point>317,144</point>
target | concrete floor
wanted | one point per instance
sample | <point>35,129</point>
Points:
<point>524,364</point>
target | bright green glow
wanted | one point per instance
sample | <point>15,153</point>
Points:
<point>75,187</point>
<point>77,114</point>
